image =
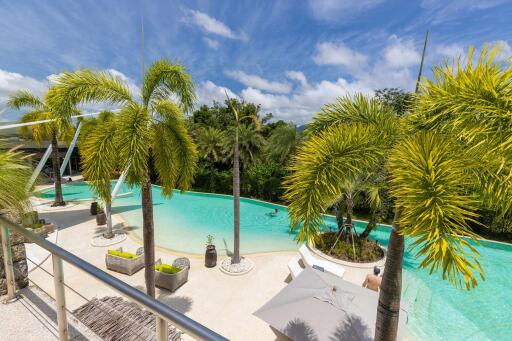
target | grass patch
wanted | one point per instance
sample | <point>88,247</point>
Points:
<point>167,268</point>
<point>122,254</point>
<point>366,250</point>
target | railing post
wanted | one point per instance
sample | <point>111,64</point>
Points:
<point>8,264</point>
<point>60,297</point>
<point>162,329</point>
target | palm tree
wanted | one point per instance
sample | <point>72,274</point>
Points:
<point>210,143</point>
<point>92,123</point>
<point>240,130</point>
<point>282,142</point>
<point>40,110</point>
<point>151,130</point>
<point>444,159</point>
<point>14,174</point>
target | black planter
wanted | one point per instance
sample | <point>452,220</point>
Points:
<point>210,257</point>
<point>94,208</point>
<point>101,218</point>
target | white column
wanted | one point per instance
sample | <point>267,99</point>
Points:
<point>70,150</point>
<point>39,167</point>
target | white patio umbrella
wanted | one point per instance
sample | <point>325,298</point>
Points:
<point>320,306</point>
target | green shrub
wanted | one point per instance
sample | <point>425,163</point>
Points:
<point>167,268</point>
<point>122,254</point>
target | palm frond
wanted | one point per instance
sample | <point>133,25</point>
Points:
<point>25,99</point>
<point>163,79</point>
<point>14,175</point>
<point>355,109</point>
<point>282,142</point>
<point>133,136</point>
<point>38,132</point>
<point>210,143</point>
<point>99,158</point>
<point>320,169</point>
<point>472,101</point>
<point>173,149</point>
<point>72,88</point>
<point>431,187</point>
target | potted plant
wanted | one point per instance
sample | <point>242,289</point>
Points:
<point>101,217</point>
<point>39,229</point>
<point>210,257</point>
<point>50,227</point>
<point>94,207</point>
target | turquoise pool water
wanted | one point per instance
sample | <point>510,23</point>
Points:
<point>437,311</point>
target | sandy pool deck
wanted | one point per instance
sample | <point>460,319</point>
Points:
<point>222,303</point>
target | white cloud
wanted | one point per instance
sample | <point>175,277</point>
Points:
<point>505,51</point>
<point>300,106</point>
<point>259,82</point>
<point>330,10</point>
<point>132,86</point>
<point>298,76</point>
<point>401,53</point>
<point>328,53</point>
<point>449,51</point>
<point>11,82</point>
<point>214,44</point>
<point>213,26</point>
<point>207,92</point>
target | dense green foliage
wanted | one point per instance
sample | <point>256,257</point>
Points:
<point>14,174</point>
<point>265,148</point>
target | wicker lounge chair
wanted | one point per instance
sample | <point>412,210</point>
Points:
<point>125,265</point>
<point>173,281</point>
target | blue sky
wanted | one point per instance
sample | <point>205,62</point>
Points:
<point>289,56</point>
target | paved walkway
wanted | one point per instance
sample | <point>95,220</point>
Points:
<point>33,318</point>
<point>221,302</point>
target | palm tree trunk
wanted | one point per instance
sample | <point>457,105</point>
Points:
<point>350,212</point>
<point>236,199</point>
<point>108,211</point>
<point>59,199</point>
<point>388,310</point>
<point>370,226</point>
<point>339,216</point>
<point>148,233</point>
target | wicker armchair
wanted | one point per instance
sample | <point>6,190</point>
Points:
<point>125,265</point>
<point>173,281</point>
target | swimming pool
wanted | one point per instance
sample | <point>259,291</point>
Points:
<point>437,311</point>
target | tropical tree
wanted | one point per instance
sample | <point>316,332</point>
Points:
<point>210,144</point>
<point>282,142</point>
<point>14,174</point>
<point>444,160</point>
<point>53,130</point>
<point>92,123</point>
<point>246,132</point>
<point>152,130</point>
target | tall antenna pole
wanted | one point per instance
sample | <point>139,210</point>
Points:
<point>421,65</point>
<point>142,44</point>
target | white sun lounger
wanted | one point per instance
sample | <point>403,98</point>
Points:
<point>310,260</point>
<point>294,267</point>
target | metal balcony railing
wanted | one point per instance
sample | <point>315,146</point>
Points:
<point>163,313</point>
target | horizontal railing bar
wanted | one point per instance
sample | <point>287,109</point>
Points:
<point>178,319</point>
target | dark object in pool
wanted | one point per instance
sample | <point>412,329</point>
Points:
<point>101,218</point>
<point>94,208</point>
<point>210,257</point>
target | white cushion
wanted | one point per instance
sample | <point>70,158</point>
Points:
<point>294,267</point>
<point>328,266</point>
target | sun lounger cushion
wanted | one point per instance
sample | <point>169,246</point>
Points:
<point>328,266</point>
